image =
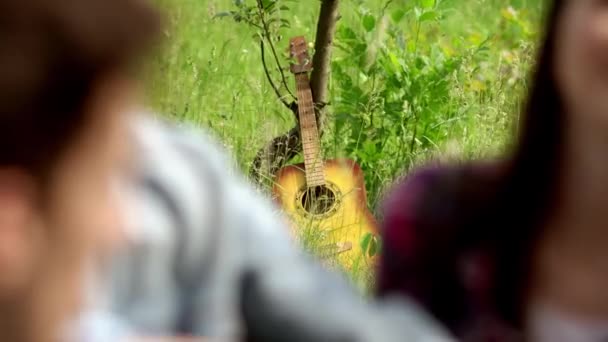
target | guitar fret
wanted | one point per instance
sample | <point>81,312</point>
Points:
<point>317,175</point>
<point>316,172</point>
<point>315,179</point>
<point>315,182</point>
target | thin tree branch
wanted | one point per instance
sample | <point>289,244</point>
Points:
<point>276,90</point>
<point>266,34</point>
<point>249,22</point>
<point>385,7</point>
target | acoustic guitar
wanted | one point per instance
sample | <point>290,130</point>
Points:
<point>326,200</point>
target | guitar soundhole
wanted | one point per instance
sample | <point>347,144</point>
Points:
<point>318,200</point>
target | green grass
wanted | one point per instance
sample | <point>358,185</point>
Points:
<point>209,73</point>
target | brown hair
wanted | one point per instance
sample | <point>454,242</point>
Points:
<point>51,54</point>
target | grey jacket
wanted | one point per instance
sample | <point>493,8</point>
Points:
<point>211,257</point>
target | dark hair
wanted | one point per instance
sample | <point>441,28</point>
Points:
<point>528,188</point>
<point>501,210</point>
<point>51,55</point>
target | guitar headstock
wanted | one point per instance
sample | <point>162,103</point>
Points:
<point>298,51</point>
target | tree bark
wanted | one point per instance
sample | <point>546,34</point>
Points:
<point>319,78</point>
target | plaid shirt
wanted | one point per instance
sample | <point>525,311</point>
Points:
<point>418,262</point>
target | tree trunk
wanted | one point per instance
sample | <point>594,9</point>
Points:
<point>321,62</point>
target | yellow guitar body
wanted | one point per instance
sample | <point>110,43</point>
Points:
<point>336,229</point>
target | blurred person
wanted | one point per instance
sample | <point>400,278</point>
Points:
<point>64,149</point>
<point>516,249</point>
<point>89,180</point>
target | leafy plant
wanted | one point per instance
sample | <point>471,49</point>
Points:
<point>392,99</point>
<point>401,90</point>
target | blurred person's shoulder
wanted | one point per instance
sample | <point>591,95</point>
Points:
<point>438,192</point>
<point>432,216</point>
<point>182,196</point>
<point>199,182</point>
<point>183,175</point>
<point>158,137</point>
<point>188,160</point>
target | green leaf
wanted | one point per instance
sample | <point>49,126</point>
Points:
<point>509,13</point>
<point>422,62</point>
<point>427,3</point>
<point>346,35</point>
<point>373,246</point>
<point>369,22</point>
<point>428,16</point>
<point>396,62</point>
<point>267,3</point>
<point>369,148</point>
<point>363,77</point>
<point>365,241</point>
<point>222,15</point>
<point>397,15</point>
<point>411,46</point>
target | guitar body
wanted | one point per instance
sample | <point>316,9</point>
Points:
<point>334,216</point>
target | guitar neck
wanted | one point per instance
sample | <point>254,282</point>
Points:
<point>313,163</point>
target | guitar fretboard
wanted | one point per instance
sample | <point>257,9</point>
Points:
<point>313,163</point>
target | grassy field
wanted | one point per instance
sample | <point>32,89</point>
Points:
<point>411,79</point>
